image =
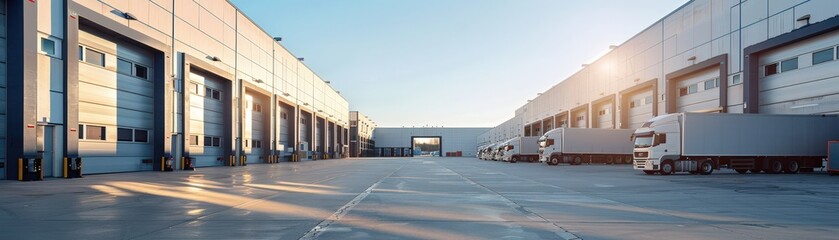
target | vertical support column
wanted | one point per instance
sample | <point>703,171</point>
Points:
<point>239,128</point>
<point>71,84</point>
<point>21,88</point>
<point>163,92</point>
<point>183,74</point>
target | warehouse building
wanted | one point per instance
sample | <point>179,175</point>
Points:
<point>750,56</point>
<point>155,85</point>
<point>361,135</point>
<point>412,141</point>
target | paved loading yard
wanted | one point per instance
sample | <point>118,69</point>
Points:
<point>439,198</point>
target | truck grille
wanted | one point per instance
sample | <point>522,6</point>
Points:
<point>640,163</point>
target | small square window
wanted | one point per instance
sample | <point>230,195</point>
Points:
<point>209,92</point>
<point>736,80</point>
<point>216,95</point>
<point>193,140</point>
<point>125,135</point>
<point>693,88</point>
<point>208,141</point>
<point>94,132</point>
<point>141,135</point>
<point>48,46</point>
<point>770,69</point>
<point>789,64</point>
<point>123,66</point>
<point>81,131</point>
<point>216,142</point>
<point>94,57</point>
<point>647,100</point>
<point>710,84</point>
<point>683,91</point>
<point>823,56</point>
<point>141,71</point>
<point>81,53</point>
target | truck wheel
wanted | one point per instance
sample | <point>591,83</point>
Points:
<point>666,167</point>
<point>553,161</point>
<point>577,161</point>
<point>775,167</point>
<point>706,168</point>
<point>792,167</point>
<point>514,159</point>
<point>649,172</point>
<point>741,171</point>
<point>627,160</point>
<point>610,160</point>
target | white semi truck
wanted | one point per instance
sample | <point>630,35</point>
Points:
<point>586,145</point>
<point>699,143</point>
<point>521,149</point>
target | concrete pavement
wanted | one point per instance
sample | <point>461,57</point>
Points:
<point>421,198</point>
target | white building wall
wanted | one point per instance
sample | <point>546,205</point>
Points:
<point>453,139</point>
<point>695,32</point>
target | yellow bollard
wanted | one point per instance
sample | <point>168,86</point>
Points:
<point>65,168</point>
<point>20,169</point>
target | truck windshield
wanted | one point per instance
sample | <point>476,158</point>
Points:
<point>643,141</point>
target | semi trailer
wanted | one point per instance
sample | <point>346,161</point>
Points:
<point>586,145</point>
<point>699,143</point>
<point>521,149</point>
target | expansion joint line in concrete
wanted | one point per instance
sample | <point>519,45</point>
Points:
<point>335,217</point>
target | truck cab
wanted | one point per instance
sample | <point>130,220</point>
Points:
<point>550,144</point>
<point>508,149</point>
<point>657,140</point>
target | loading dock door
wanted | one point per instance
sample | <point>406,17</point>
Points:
<point>698,92</point>
<point>255,131</point>
<point>116,110</point>
<point>604,115</point>
<point>286,128</point>
<point>806,90</point>
<point>206,123</point>
<point>640,109</point>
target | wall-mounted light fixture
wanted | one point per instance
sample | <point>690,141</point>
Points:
<point>300,59</point>
<point>258,81</point>
<point>805,18</point>
<point>691,58</point>
<point>584,65</point>
<point>613,47</point>
<point>286,94</point>
<point>278,39</point>
<point>305,104</point>
<point>213,58</point>
<point>130,16</point>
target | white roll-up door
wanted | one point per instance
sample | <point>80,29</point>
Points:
<point>206,119</point>
<point>116,104</point>
<point>699,92</point>
<point>604,116</point>
<point>640,109</point>
<point>255,134</point>
<point>801,78</point>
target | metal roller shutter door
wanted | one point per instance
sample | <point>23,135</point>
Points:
<point>206,119</point>
<point>640,109</point>
<point>115,94</point>
<point>699,98</point>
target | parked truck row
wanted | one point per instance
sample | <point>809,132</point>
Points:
<point>696,143</point>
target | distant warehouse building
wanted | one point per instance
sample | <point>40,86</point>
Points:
<point>361,135</point>
<point>751,56</point>
<point>404,141</point>
<point>143,84</point>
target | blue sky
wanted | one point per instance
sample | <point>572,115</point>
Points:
<point>452,63</point>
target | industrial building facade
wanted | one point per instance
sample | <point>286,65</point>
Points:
<point>155,85</point>
<point>399,141</point>
<point>732,56</point>
<point>361,135</point>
